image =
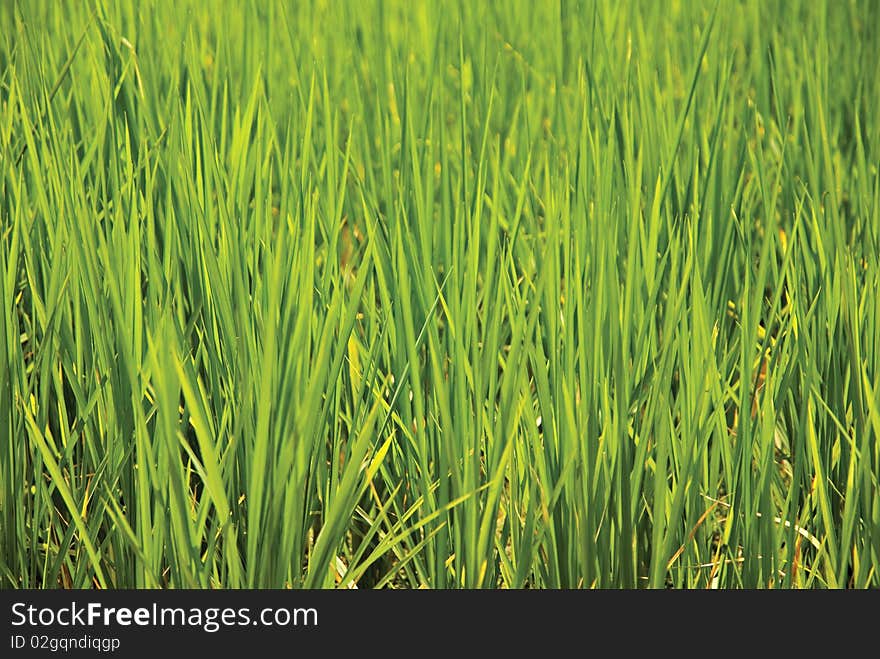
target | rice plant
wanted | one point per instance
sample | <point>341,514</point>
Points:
<point>560,294</point>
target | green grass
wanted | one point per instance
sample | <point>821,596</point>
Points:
<point>404,294</point>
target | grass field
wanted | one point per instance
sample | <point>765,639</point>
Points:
<point>449,294</point>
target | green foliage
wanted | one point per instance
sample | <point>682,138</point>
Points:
<point>448,295</point>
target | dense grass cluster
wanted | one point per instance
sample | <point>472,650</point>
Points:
<point>447,294</point>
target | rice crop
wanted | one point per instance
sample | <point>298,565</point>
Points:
<point>405,294</point>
